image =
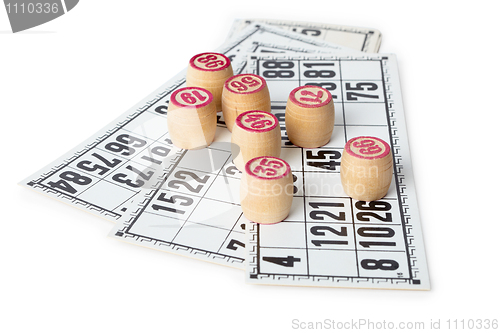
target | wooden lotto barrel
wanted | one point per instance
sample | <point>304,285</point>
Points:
<point>255,133</point>
<point>209,70</point>
<point>309,116</point>
<point>366,168</point>
<point>244,92</point>
<point>191,118</point>
<point>266,190</point>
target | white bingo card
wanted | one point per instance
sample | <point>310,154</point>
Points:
<point>357,38</point>
<point>104,174</point>
<point>330,239</point>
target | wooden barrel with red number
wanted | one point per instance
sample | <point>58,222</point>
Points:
<point>309,116</point>
<point>255,133</point>
<point>366,168</point>
<point>209,71</point>
<point>191,118</point>
<point>266,190</point>
<point>244,92</point>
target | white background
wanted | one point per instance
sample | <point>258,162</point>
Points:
<point>64,80</point>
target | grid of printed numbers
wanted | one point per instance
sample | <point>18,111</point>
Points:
<point>328,234</point>
<point>196,210</point>
<point>115,169</point>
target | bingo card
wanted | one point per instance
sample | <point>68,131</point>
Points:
<point>330,239</point>
<point>366,40</point>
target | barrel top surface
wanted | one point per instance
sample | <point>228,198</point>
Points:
<point>245,84</point>
<point>310,96</point>
<point>191,97</point>
<point>367,147</point>
<point>267,167</point>
<point>257,121</point>
<point>210,61</point>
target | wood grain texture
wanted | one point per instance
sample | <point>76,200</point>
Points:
<point>244,92</point>
<point>266,190</point>
<point>256,133</point>
<point>309,116</point>
<point>209,71</point>
<point>191,118</point>
<point>366,168</point>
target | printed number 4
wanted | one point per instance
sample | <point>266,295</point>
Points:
<point>282,261</point>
